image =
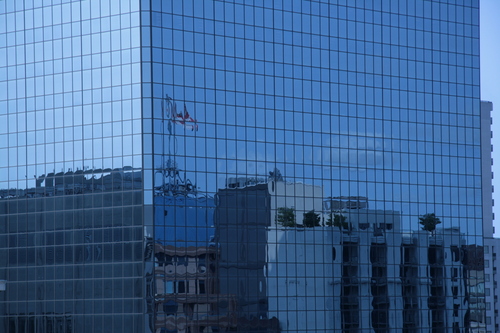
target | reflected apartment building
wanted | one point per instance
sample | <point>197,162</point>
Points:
<point>379,277</point>
<point>241,166</point>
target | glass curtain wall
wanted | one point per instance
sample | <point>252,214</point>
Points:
<point>302,147</point>
<point>71,184</point>
<point>251,166</point>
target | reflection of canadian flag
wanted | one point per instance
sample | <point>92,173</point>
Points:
<point>183,119</point>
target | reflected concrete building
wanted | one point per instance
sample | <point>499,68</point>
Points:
<point>379,278</point>
<point>243,215</point>
<point>491,243</point>
<point>294,269</point>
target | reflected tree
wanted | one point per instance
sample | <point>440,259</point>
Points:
<point>429,222</point>
<point>337,220</point>
<point>311,219</point>
<point>276,175</point>
<point>286,217</point>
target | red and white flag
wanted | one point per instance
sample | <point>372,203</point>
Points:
<point>183,119</point>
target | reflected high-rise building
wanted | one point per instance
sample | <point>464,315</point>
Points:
<point>251,166</point>
<point>491,243</point>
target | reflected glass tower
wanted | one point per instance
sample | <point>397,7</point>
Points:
<point>240,166</point>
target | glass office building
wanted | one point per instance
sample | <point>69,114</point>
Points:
<point>244,165</point>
